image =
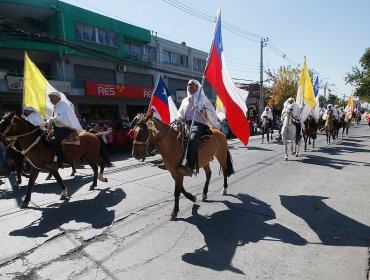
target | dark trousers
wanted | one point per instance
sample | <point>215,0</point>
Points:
<point>197,131</point>
<point>104,150</point>
<point>60,133</point>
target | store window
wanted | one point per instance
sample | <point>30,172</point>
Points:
<point>133,49</point>
<point>199,64</point>
<point>96,35</point>
<point>174,58</point>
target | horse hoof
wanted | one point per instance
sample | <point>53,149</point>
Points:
<point>286,158</point>
<point>173,216</point>
<point>224,191</point>
<point>24,205</point>
<point>194,198</point>
<point>102,178</point>
<point>92,187</point>
<point>204,197</point>
<point>296,155</point>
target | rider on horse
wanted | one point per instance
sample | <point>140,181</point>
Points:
<point>63,121</point>
<point>268,114</point>
<point>196,103</point>
<point>296,114</point>
<point>31,115</point>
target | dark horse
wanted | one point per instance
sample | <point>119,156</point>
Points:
<point>149,130</point>
<point>310,131</point>
<point>266,129</point>
<point>39,152</point>
<point>347,120</point>
<point>18,160</point>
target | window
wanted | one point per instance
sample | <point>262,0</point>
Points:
<point>151,52</point>
<point>199,64</point>
<point>96,35</point>
<point>174,58</point>
<point>133,49</point>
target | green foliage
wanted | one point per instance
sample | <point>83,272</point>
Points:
<point>282,85</point>
<point>360,78</point>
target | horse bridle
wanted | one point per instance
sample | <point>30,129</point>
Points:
<point>152,132</point>
<point>11,139</point>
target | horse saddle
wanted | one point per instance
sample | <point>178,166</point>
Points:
<point>72,139</point>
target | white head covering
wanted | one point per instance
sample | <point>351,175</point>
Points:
<point>329,106</point>
<point>193,82</point>
<point>56,93</point>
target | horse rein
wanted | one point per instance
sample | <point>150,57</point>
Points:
<point>152,133</point>
<point>10,140</point>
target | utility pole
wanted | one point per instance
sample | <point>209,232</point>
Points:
<point>344,99</point>
<point>263,44</point>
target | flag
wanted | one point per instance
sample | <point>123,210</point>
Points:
<point>316,110</point>
<point>36,89</point>
<point>233,98</point>
<point>305,93</point>
<point>350,105</point>
<point>162,101</point>
<point>220,111</point>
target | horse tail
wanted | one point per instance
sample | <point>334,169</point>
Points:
<point>229,164</point>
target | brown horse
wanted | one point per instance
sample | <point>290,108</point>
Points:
<point>39,152</point>
<point>310,131</point>
<point>265,129</point>
<point>149,130</point>
<point>329,127</point>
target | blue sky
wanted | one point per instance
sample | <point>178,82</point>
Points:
<point>333,35</point>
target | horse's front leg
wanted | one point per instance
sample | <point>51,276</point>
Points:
<point>33,176</point>
<point>95,179</point>
<point>73,165</point>
<point>208,171</point>
<point>263,136</point>
<point>305,142</point>
<point>286,149</point>
<point>64,194</point>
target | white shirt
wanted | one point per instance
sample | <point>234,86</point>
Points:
<point>296,111</point>
<point>268,114</point>
<point>205,112</point>
<point>34,118</point>
<point>64,116</point>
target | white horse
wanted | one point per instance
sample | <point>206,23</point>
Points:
<point>288,132</point>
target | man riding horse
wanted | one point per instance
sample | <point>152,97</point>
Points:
<point>63,121</point>
<point>296,114</point>
<point>196,103</point>
<point>268,114</point>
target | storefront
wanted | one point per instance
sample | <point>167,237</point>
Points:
<point>107,101</point>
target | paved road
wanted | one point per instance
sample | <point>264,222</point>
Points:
<point>305,218</point>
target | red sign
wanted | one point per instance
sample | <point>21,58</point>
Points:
<point>117,90</point>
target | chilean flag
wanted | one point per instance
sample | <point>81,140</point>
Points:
<point>163,103</point>
<point>232,97</point>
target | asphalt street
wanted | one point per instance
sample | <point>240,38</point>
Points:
<point>305,218</point>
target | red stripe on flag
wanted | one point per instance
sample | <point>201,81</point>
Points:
<point>236,118</point>
<point>162,109</point>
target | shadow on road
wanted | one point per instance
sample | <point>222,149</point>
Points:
<point>332,227</point>
<point>330,162</point>
<point>93,211</point>
<point>238,225</point>
<point>73,184</point>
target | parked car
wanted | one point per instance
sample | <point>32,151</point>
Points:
<point>120,130</point>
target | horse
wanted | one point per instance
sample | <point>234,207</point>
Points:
<point>329,126</point>
<point>310,131</point>
<point>150,130</point>
<point>18,161</point>
<point>347,120</point>
<point>288,132</point>
<point>265,128</point>
<point>39,152</point>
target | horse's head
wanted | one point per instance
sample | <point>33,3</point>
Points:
<point>144,131</point>
<point>6,123</point>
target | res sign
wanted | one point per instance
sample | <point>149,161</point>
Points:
<point>117,90</point>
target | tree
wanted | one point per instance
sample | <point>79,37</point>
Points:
<point>283,84</point>
<point>360,78</point>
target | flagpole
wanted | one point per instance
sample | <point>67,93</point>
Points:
<point>183,162</point>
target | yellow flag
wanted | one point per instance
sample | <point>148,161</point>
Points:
<point>36,89</point>
<point>305,93</point>
<point>220,111</point>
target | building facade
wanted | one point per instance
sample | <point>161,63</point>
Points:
<point>107,68</point>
